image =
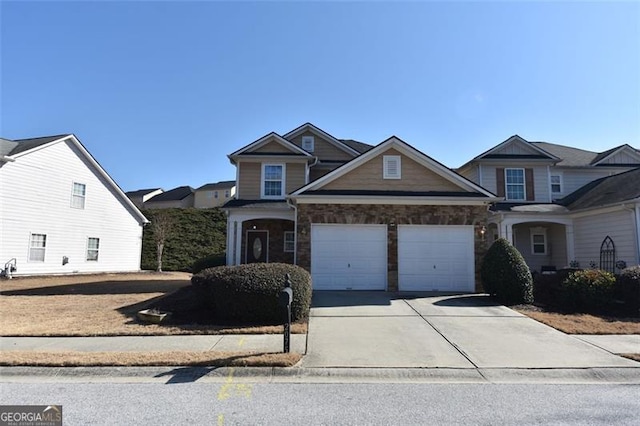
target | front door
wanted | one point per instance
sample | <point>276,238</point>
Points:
<point>257,246</point>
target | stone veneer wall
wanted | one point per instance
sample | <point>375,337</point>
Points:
<point>276,228</point>
<point>390,214</point>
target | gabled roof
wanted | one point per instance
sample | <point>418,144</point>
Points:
<point>539,153</point>
<point>6,146</point>
<point>268,138</point>
<point>361,147</point>
<point>225,184</point>
<point>337,142</point>
<point>410,152</point>
<point>26,146</point>
<point>605,191</point>
<point>613,151</point>
<point>175,194</point>
<point>142,192</point>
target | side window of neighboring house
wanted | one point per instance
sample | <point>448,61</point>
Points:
<point>514,184</point>
<point>556,184</point>
<point>392,167</point>
<point>78,194</point>
<point>215,194</point>
<point>307,143</point>
<point>289,241</point>
<point>93,247</point>
<point>37,247</point>
<point>226,193</point>
<point>538,241</point>
<point>273,181</point>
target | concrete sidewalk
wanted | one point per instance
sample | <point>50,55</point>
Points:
<point>227,343</point>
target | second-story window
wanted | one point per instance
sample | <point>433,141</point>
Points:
<point>556,184</point>
<point>514,183</point>
<point>78,195</point>
<point>272,181</point>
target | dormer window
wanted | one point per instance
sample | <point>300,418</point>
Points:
<point>307,143</point>
<point>392,167</point>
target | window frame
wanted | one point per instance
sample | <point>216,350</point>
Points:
<point>90,249</point>
<point>539,232</point>
<point>43,248</point>
<point>507,184</point>
<point>263,181</point>
<point>293,242</point>
<point>551,184</point>
<point>308,139</point>
<point>82,197</point>
<point>385,166</point>
<point>227,193</point>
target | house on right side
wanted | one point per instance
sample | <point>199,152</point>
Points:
<point>563,206</point>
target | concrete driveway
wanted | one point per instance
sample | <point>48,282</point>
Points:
<point>378,329</point>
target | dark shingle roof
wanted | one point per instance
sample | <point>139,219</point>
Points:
<point>174,194</point>
<point>256,204</point>
<point>141,192</point>
<point>225,184</point>
<point>608,190</point>
<point>361,147</point>
<point>27,144</point>
<point>350,192</point>
<point>570,156</point>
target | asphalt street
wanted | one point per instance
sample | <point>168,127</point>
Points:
<point>244,403</point>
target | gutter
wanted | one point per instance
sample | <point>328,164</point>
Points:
<point>295,229</point>
<point>7,159</point>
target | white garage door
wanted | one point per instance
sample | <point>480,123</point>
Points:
<point>436,258</point>
<point>349,257</point>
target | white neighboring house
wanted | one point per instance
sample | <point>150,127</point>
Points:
<point>61,213</point>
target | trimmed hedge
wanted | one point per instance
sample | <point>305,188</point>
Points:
<point>627,290</point>
<point>195,233</point>
<point>249,293</point>
<point>209,262</point>
<point>589,290</point>
<point>505,274</point>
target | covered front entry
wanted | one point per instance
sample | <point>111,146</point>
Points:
<point>349,257</point>
<point>436,258</point>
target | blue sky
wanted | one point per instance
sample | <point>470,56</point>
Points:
<point>161,92</point>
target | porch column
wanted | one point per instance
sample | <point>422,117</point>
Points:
<point>571,248</point>
<point>230,241</point>
<point>506,231</point>
<point>238,243</point>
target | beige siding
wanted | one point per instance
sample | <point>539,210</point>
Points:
<point>317,173</point>
<point>415,177</point>
<point>249,175</point>
<point>323,149</point>
<point>590,231</point>
<point>206,198</point>
<point>272,146</point>
<point>295,177</point>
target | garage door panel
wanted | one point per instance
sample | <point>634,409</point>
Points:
<point>434,257</point>
<point>349,257</point>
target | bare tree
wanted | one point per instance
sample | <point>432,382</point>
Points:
<point>162,225</point>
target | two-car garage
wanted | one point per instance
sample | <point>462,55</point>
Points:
<point>356,257</point>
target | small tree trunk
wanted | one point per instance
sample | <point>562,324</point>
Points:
<point>160,249</point>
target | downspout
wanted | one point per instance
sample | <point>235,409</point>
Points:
<point>295,230</point>
<point>638,233</point>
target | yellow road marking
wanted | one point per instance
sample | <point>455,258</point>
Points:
<point>220,419</point>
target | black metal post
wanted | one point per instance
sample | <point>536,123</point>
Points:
<point>286,297</point>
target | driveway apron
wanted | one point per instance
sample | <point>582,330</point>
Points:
<point>387,330</point>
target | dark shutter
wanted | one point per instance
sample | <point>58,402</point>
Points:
<point>500,181</point>
<point>528,181</point>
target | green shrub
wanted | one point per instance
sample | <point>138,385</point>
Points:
<point>547,287</point>
<point>506,275</point>
<point>589,290</point>
<point>210,261</point>
<point>194,233</point>
<point>627,290</point>
<point>249,293</point>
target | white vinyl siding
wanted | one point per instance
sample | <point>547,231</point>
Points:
<point>78,194</point>
<point>591,230</point>
<point>46,210</point>
<point>540,180</point>
<point>37,247</point>
<point>556,184</point>
<point>93,249</point>
<point>575,179</point>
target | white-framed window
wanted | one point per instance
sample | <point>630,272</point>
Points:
<point>37,247</point>
<point>93,247</point>
<point>226,193</point>
<point>307,143</point>
<point>215,194</point>
<point>78,194</point>
<point>556,184</point>
<point>538,241</point>
<point>514,184</point>
<point>392,166</point>
<point>289,241</point>
<point>273,181</point>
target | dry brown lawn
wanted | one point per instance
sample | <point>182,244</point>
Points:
<point>584,323</point>
<point>98,305</point>
<point>137,359</point>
